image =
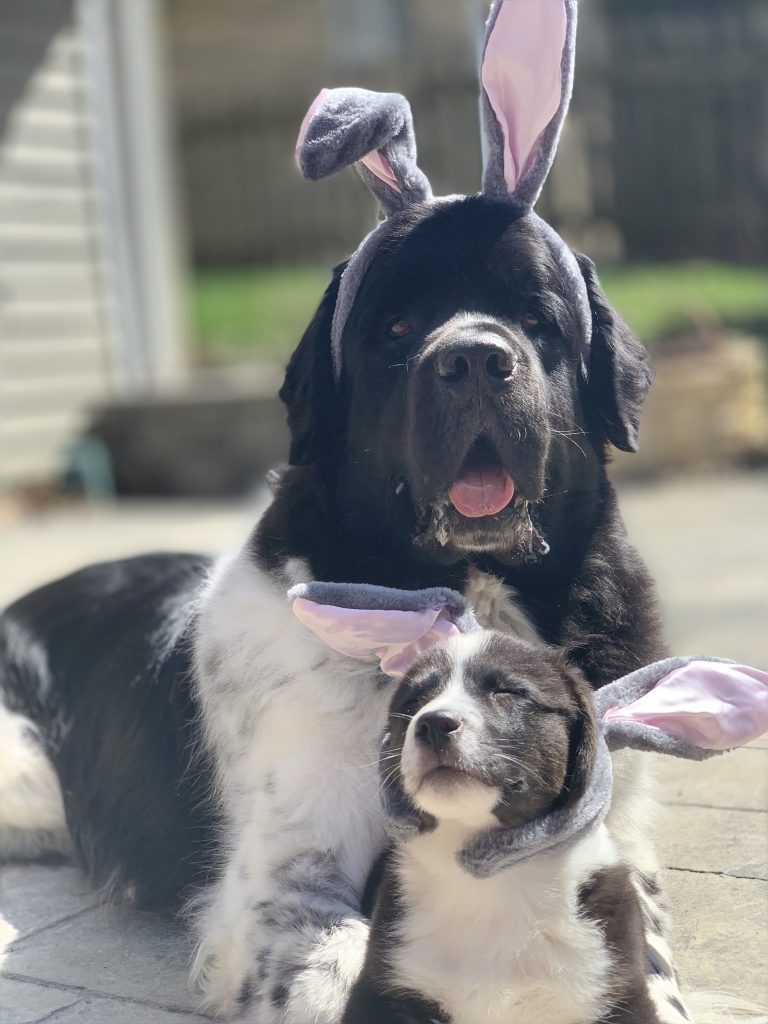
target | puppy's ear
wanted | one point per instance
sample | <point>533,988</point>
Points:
<point>583,742</point>
<point>619,374</point>
<point>309,390</point>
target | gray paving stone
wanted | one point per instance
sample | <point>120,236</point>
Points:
<point>710,571</point>
<point>720,933</point>
<point>736,780</point>
<point>111,951</point>
<point>707,839</point>
<point>22,1002</point>
<point>107,1011</point>
<point>33,896</point>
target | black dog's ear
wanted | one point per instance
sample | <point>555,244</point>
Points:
<point>309,390</point>
<point>619,374</point>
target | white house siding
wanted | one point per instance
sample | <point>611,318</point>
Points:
<point>89,268</point>
<point>54,327</point>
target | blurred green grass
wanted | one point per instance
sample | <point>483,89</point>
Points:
<point>261,312</point>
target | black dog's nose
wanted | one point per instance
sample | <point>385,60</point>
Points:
<point>474,361</point>
<point>435,729</point>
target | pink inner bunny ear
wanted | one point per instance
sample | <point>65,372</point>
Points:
<point>711,705</point>
<point>526,84</point>
<point>315,105</point>
<point>378,165</point>
<point>395,637</point>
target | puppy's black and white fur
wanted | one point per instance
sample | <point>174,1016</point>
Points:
<point>208,745</point>
<point>487,731</point>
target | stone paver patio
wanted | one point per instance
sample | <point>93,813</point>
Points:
<point>76,960</point>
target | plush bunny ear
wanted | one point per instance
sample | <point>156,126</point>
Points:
<point>367,622</point>
<point>526,78</point>
<point>690,708</point>
<point>373,131</point>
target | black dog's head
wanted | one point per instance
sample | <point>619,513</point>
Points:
<point>468,390</point>
<point>489,729</point>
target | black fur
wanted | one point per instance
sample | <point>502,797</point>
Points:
<point>356,511</point>
<point>101,661</point>
<point>610,899</point>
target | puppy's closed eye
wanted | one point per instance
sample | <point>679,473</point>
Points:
<point>509,691</point>
<point>502,686</point>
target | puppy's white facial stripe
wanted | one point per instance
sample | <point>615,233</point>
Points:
<point>453,698</point>
<point>471,801</point>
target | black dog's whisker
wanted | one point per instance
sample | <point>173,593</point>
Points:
<point>568,437</point>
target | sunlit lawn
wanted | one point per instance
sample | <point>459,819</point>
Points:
<point>260,313</point>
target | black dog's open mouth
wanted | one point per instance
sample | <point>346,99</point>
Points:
<point>482,511</point>
<point>484,486</point>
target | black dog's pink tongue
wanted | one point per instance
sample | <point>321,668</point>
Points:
<point>482,491</point>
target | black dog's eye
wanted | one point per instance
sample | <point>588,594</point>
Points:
<point>530,320</point>
<point>398,328</point>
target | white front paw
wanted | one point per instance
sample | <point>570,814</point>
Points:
<point>319,992</point>
<point>219,973</point>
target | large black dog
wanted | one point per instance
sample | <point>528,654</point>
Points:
<point>207,744</point>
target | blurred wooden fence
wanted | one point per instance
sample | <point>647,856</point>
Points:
<point>689,85</point>
<point>668,135</point>
<point>247,202</point>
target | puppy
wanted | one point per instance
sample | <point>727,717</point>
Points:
<point>488,732</point>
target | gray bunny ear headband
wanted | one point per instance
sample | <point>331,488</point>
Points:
<point>686,707</point>
<point>526,81</point>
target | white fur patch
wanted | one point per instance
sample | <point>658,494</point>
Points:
<point>7,934</point>
<point>295,730</point>
<point>469,800</point>
<point>32,818</point>
<point>495,606</point>
<point>511,947</point>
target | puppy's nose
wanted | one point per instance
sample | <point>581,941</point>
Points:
<point>436,729</point>
<point>473,361</point>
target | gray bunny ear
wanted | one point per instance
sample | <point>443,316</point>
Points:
<point>373,131</point>
<point>527,78</point>
<point>687,707</point>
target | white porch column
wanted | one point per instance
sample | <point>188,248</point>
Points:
<point>141,242</point>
